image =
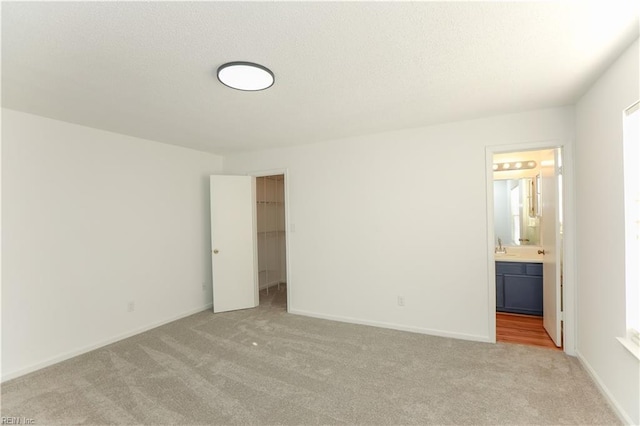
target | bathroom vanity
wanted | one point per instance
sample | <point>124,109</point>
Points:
<point>519,287</point>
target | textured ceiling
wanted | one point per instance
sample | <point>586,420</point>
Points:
<point>147,69</point>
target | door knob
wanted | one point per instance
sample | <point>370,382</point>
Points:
<point>216,251</point>
<point>540,251</point>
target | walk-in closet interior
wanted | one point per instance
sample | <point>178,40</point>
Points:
<point>271,233</point>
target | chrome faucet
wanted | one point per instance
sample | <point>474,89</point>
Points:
<point>500,248</point>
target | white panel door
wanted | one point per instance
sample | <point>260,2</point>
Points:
<point>552,246</point>
<point>233,242</point>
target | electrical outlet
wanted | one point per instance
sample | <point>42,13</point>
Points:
<point>131,306</point>
<point>400,300</point>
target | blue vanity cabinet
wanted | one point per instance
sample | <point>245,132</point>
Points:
<point>499,292</point>
<point>519,287</point>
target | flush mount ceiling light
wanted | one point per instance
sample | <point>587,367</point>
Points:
<point>245,76</point>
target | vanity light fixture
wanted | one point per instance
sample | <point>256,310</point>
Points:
<point>245,76</point>
<point>519,165</point>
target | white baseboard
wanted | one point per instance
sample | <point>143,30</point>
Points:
<point>76,352</point>
<point>605,391</point>
<point>271,284</point>
<point>421,330</point>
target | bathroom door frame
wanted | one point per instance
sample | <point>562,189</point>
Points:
<point>568,237</point>
<point>287,244</point>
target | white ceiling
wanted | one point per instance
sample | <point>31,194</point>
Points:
<point>147,69</point>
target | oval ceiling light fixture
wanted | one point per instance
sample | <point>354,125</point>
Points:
<point>245,76</point>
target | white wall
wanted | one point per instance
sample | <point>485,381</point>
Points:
<point>600,233</point>
<point>92,220</point>
<point>399,213</point>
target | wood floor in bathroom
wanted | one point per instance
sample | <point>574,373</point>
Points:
<point>523,329</point>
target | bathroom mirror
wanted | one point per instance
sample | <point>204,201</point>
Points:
<point>516,211</point>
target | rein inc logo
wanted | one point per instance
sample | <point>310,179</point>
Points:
<point>6,420</point>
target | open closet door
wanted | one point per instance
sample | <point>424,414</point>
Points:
<point>233,242</point>
<point>552,249</point>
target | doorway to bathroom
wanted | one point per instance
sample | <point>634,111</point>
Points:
<point>527,241</point>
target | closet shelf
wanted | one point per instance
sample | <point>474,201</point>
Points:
<point>271,231</point>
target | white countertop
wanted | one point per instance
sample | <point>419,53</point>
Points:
<point>520,254</point>
<point>517,258</point>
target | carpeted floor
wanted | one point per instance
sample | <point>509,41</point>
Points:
<point>264,366</point>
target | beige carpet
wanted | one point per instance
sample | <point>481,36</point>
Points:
<point>264,366</point>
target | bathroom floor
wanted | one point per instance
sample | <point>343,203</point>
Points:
<point>522,329</point>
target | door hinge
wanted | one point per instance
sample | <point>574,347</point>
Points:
<point>560,170</point>
<point>561,315</point>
